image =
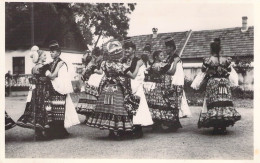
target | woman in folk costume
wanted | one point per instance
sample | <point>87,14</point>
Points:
<point>143,116</point>
<point>218,109</point>
<point>166,111</point>
<point>154,94</point>
<point>9,123</point>
<point>62,107</point>
<point>88,98</point>
<point>36,115</point>
<point>116,103</point>
<point>147,56</point>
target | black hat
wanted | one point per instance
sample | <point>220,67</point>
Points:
<point>128,43</point>
<point>147,47</point>
<point>168,41</point>
<point>217,40</point>
<point>54,45</point>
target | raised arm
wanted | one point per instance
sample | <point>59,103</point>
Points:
<point>98,71</point>
<point>172,69</point>
<point>205,64</point>
<point>53,75</point>
<point>133,75</point>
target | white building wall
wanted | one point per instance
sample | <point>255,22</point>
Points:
<point>9,60</point>
<point>69,58</point>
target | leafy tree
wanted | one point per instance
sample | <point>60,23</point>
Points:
<point>59,15</point>
<point>93,19</point>
<point>102,19</point>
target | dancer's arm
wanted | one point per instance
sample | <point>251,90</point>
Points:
<point>53,75</point>
<point>172,69</point>
<point>133,75</point>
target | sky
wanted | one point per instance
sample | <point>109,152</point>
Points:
<point>174,17</point>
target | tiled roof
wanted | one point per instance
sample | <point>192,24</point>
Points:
<point>233,42</point>
<point>157,43</point>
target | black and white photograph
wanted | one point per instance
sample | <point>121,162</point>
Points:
<point>129,80</point>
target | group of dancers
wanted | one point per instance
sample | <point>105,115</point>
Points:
<point>123,92</point>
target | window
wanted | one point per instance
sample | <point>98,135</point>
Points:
<point>18,65</point>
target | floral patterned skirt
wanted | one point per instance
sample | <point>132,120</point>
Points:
<point>35,113</point>
<point>46,106</point>
<point>9,123</point>
<point>165,104</point>
<point>110,112</point>
<point>87,101</point>
<point>220,110</point>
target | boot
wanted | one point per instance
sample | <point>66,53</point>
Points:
<point>138,132</point>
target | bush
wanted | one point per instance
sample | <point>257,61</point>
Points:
<point>237,92</point>
<point>196,97</point>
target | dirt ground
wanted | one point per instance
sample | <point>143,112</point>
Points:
<point>188,142</point>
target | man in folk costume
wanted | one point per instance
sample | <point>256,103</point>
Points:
<point>63,111</point>
<point>143,116</point>
<point>177,73</point>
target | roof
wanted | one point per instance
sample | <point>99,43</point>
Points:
<point>157,43</point>
<point>45,31</point>
<point>233,42</point>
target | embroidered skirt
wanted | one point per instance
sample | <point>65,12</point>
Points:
<point>46,106</point>
<point>36,114</point>
<point>110,112</point>
<point>87,100</point>
<point>165,104</point>
<point>220,110</point>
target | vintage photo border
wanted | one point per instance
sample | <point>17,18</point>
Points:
<point>256,83</point>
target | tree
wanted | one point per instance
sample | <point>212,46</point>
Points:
<point>102,19</point>
<point>51,21</point>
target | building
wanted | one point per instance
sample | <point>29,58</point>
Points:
<point>19,42</point>
<point>193,46</point>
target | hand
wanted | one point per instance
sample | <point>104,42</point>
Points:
<point>44,68</point>
<point>139,63</point>
<point>177,59</point>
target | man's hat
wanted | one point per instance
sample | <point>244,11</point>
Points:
<point>54,45</point>
<point>217,40</point>
<point>128,43</point>
<point>168,41</point>
<point>147,47</point>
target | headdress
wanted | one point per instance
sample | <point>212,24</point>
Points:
<point>168,41</point>
<point>128,43</point>
<point>114,50</point>
<point>147,47</point>
<point>35,53</point>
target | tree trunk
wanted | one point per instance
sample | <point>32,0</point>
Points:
<point>98,38</point>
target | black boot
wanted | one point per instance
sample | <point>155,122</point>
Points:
<point>224,130</point>
<point>156,126</point>
<point>120,135</point>
<point>111,134</point>
<point>215,131</point>
<point>138,132</point>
